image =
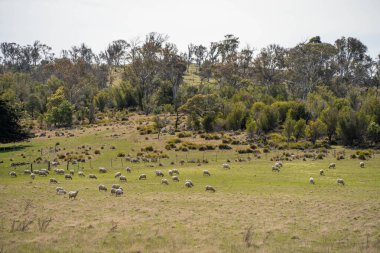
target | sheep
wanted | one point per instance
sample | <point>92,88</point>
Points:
<point>59,189</point>
<point>142,176</point>
<point>54,164</point>
<point>92,176</point>
<point>72,172</point>
<point>332,166</point>
<point>61,192</point>
<point>321,172</point>
<point>206,173</point>
<point>278,164</point>
<point>129,170</point>
<point>32,175</point>
<point>102,170</point>
<point>188,184</point>
<point>73,194</point>
<point>118,174</point>
<point>340,181</point>
<point>226,166</point>
<point>175,171</point>
<point>27,172</point>
<point>361,164</point>
<point>68,176</point>
<point>175,178</point>
<point>13,174</point>
<point>210,188</point>
<point>115,186</point>
<point>42,173</point>
<point>164,181</point>
<point>102,187</point>
<point>311,180</point>
<point>159,173</point>
<point>189,181</point>
<point>118,192</point>
<point>274,168</point>
<point>170,172</point>
<point>59,171</point>
<point>113,191</point>
<point>37,172</point>
<point>123,178</point>
<point>81,174</point>
<point>53,181</point>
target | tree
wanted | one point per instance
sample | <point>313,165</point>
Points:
<point>251,128</point>
<point>315,130</point>
<point>352,126</point>
<point>373,132</point>
<point>61,115</point>
<point>329,116</point>
<point>33,105</point>
<point>299,129</point>
<point>289,126</point>
<point>10,128</point>
<point>159,123</point>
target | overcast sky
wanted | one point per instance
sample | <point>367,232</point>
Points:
<point>63,23</point>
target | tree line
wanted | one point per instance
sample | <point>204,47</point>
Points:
<point>313,90</point>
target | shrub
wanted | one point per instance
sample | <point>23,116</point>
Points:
<point>97,152</point>
<point>120,155</point>
<point>184,134</point>
<point>224,146</point>
<point>266,150</point>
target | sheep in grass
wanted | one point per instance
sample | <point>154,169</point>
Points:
<point>206,173</point>
<point>92,176</point>
<point>321,172</point>
<point>73,194</point>
<point>81,174</point>
<point>13,174</point>
<point>164,181</point>
<point>332,166</point>
<point>170,173</point>
<point>188,184</point>
<point>275,168</point>
<point>175,171</point>
<point>118,174</point>
<point>226,166</point>
<point>53,181</point>
<point>278,164</point>
<point>361,164</point>
<point>102,170</point>
<point>68,176</point>
<point>142,176</point>
<point>27,172</point>
<point>210,188</point>
<point>175,178</point>
<point>115,186</point>
<point>61,192</point>
<point>159,173</point>
<point>44,171</point>
<point>102,187</point>
<point>340,181</point>
<point>123,178</point>
<point>118,192</point>
<point>188,180</point>
<point>129,170</point>
<point>311,180</point>
<point>32,175</point>
<point>58,189</point>
<point>72,172</point>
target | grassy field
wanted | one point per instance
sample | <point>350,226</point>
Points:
<point>252,210</point>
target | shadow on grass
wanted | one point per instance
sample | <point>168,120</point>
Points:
<point>13,148</point>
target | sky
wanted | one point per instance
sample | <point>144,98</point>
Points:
<point>64,23</point>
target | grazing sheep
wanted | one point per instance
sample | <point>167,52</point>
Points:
<point>27,172</point>
<point>72,172</point>
<point>113,191</point>
<point>175,178</point>
<point>278,164</point>
<point>142,176</point>
<point>175,171</point>
<point>53,181</point>
<point>42,173</point>
<point>102,187</point>
<point>226,166</point>
<point>123,178</point>
<point>188,184</point>
<point>68,176</point>
<point>92,176</point>
<point>115,186</point>
<point>61,192</point>
<point>274,168</point>
<point>102,170</point>
<point>32,175</point>
<point>332,166</point>
<point>59,189</point>
<point>164,181</point>
<point>321,172</point>
<point>118,192</point>
<point>118,174</point>
<point>340,181</point>
<point>206,173</point>
<point>129,170</point>
<point>59,171</point>
<point>159,173</point>
<point>361,164</point>
<point>188,180</point>
<point>170,172</point>
<point>73,194</point>
<point>13,174</point>
<point>54,164</point>
<point>311,180</point>
<point>81,174</point>
<point>210,188</point>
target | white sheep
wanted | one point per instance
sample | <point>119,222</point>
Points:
<point>72,172</point>
<point>61,192</point>
<point>102,187</point>
<point>210,188</point>
<point>123,178</point>
<point>164,181</point>
<point>42,173</point>
<point>340,181</point>
<point>206,173</point>
<point>73,194</point>
<point>129,170</point>
<point>102,170</point>
<point>113,191</point>
<point>118,174</point>
<point>81,174</point>
<point>13,174</point>
<point>115,186</point>
<point>275,168</point>
<point>188,180</point>
<point>361,164</point>
<point>188,184</point>
<point>68,176</point>
<point>226,166</point>
<point>142,176</point>
<point>27,172</point>
<point>159,173</point>
<point>92,176</point>
<point>45,171</point>
<point>175,171</point>
<point>118,192</point>
<point>175,178</point>
<point>278,164</point>
<point>311,180</point>
<point>170,173</point>
<point>53,181</point>
<point>332,166</point>
<point>59,189</point>
<point>32,175</point>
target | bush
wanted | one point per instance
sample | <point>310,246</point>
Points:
<point>120,155</point>
<point>97,152</point>
<point>266,150</point>
<point>184,134</point>
<point>148,149</point>
<point>224,146</point>
<point>362,157</point>
<point>245,151</point>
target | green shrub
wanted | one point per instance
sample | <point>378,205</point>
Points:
<point>224,146</point>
